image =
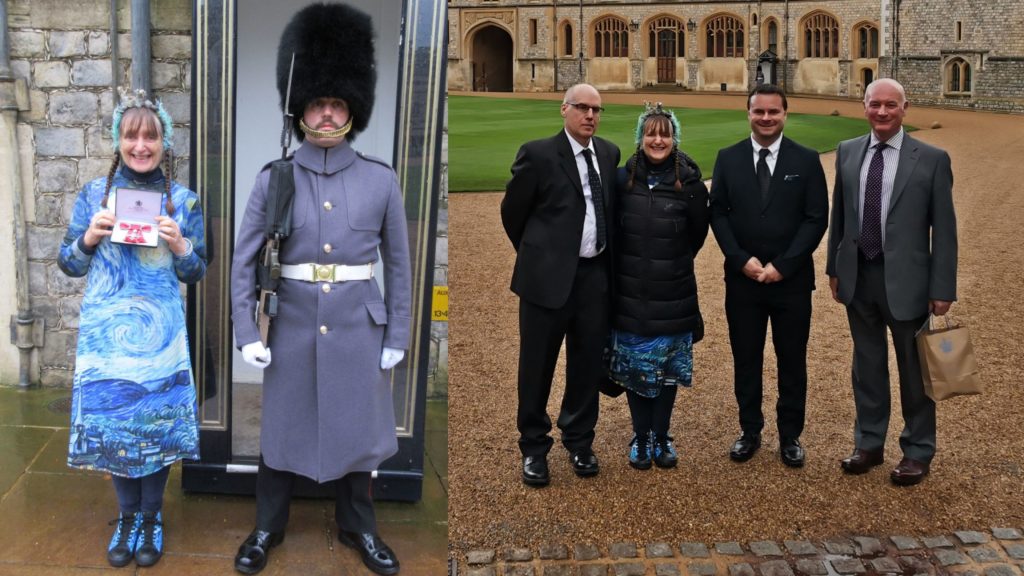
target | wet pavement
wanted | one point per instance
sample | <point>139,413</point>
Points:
<point>54,520</point>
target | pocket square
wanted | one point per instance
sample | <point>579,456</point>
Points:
<point>791,177</point>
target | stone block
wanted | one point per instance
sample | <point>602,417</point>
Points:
<point>811,567</point>
<point>67,43</point>
<point>59,350</point>
<point>180,140</point>
<point>166,75</point>
<point>659,550</point>
<point>628,569</point>
<point>56,175</point>
<point>43,242</point>
<point>765,548</point>
<point>776,568</point>
<point>172,47</point>
<point>27,44</point>
<point>559,570</point>
<point>554,552</point>
<point>91,73</point>
<point>46,308</point>
<point>518,555</point>
<point>729,548</point>
<point>1007,533</point>
<point>98,43</point>
<point>694,550</point>
<point>594,570</point>
<point>839,547</point>
<point>38,102</point>
<point>98,141</point>
<point>56,377</point>
<point>486,571</point>
<point>586,552</point>
<point>1001,570</point>
<point>61,284</point>
<point>983,554</point>
<point>92,168</point>
<point>187,76</point>
<point>937,542</point>
<point>442,221</point>
<point>70,14</point>
<point>49,210</point>
<point>867,546</point>
<point>741,569</point>
<point>60,142</point>
<point>666,569</point>
<point>800,547</point>
<point>480,556</point>
<point>440,276</point>
<point>124,46</point>
<point>178,104</point>
<point>52,75</point>
<point>885,565</point>
<point>949,557</point>
<point>70,311</point>
<point>106,109</point>
<point>441,250</point>
<point>703,569</point>
<point>622,550</point>
<point>971,537</point>
<point>1015,551</point>
<point>73,108</point>
<point>847,566</point>
<point>518,570</point>
<point>905,542</point>
<point>171,15</point>
<point>22,69</point>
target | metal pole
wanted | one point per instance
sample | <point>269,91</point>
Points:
<point>115,65</point>
<point>141,54</point>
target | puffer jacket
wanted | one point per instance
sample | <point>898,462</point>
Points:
<point>659,232</point>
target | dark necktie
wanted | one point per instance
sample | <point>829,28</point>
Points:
<point>764,175</point>
<point>597,196</point>
<point>871,223</point>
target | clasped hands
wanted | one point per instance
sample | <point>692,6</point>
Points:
<point>257,355</point>
<point>754,270</point>
<point>102,225</point>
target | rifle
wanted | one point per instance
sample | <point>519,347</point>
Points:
<point>278,226</point>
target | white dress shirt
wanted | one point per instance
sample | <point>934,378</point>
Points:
<point>588,244</point>
<point>891,161</point>
<point>773,153</point>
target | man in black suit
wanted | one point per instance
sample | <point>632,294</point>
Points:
<point>769,210</point>
<point>557,213</point>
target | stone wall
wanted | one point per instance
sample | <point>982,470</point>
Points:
<point>62,49</point>
<point>437,367</point>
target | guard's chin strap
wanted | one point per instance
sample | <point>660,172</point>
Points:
<point>340,132</point>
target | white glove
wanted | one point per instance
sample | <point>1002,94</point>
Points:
<point>389,357</point>
<point>256,355</point>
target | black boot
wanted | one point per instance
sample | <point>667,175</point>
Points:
<point>376,555</point>
<point>150,545</point>
<point>122,543</point>
<point>252,554</point>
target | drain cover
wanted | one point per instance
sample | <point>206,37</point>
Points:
<point>60,405</point>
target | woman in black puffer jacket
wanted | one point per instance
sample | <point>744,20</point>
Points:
<point>662,222</point>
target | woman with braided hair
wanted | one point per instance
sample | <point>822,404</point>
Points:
<point>662,213</point>
<point>133,400</point>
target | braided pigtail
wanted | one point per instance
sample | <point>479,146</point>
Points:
<point>679,168</point>
<point>168,164</point>
<point>110,179</point>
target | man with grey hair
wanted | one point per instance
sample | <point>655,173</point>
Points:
<point>892,255</point>
<point>557,212</point>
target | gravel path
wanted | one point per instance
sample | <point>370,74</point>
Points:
<point>976,479</point>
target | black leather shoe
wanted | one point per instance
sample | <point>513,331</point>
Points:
<point>584,463</point>
<point>377,556</point>
<point>792,452</point>
<point>909,472</point>
<point>535,471</point>
<point>745,447</point>
<point>862,461</point>
<point>252,554</point>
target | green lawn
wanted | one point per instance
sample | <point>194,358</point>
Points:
<point>485,133</point>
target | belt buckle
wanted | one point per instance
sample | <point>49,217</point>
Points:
<point>324,272</point>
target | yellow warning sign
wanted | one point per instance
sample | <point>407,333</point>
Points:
<point>440,306</point>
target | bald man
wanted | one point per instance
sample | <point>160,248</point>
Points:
<point>557,212</point>
<point>892,255</point>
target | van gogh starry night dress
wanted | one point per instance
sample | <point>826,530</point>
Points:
<point>133,400</point>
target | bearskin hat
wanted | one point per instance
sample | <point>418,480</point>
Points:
<point>333,47</point>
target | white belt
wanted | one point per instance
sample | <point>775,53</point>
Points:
<point>326,272</point>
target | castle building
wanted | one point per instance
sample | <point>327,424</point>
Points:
<point>962,53</point>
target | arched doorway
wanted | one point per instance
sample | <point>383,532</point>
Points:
<point>868,77</point>
<point>492,60</point>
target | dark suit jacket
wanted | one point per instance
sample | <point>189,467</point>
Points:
<point>783,231</point>
<point>543,211</point>
<point>920,228</point>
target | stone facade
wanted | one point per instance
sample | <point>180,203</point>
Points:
<point>437,367</point>
<point>62,51</point>
<point>553,45</point>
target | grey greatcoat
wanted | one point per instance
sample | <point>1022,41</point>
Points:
<point>327,406</point>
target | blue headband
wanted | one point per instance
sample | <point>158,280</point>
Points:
<point>137,99</point>
<point>656,110</point>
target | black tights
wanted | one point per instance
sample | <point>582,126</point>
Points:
<point>145,493</point>
<point>652,414</point>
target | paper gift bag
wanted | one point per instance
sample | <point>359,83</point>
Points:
<point>948,367</point>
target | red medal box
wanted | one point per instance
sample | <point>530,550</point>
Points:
<point>136,211</point>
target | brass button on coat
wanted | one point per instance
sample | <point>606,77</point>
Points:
<point>327,248</point>
<point>328,206</point>
<point>323,329</point>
